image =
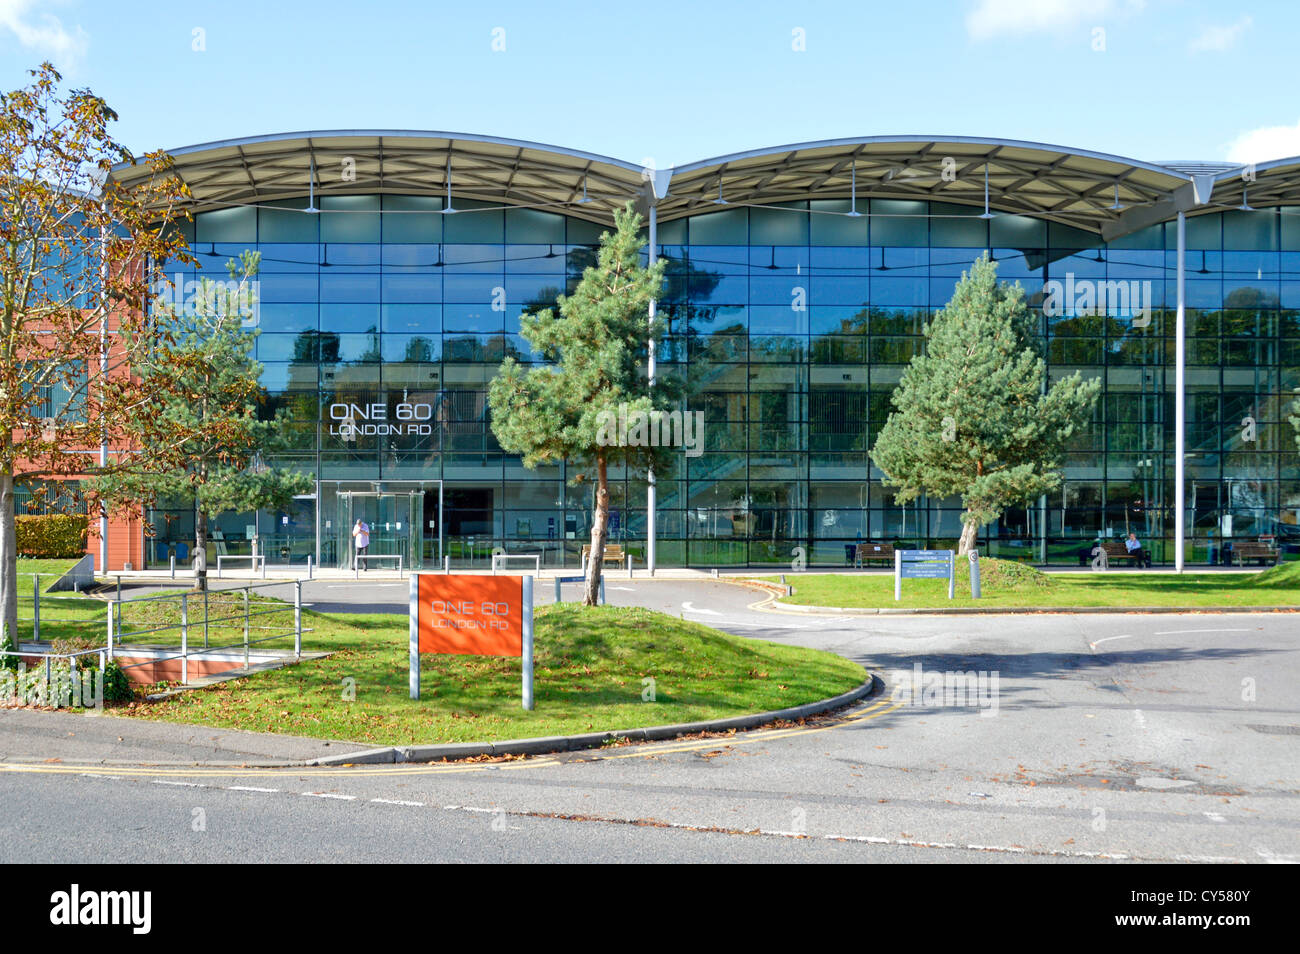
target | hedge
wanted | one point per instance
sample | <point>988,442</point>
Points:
<point>51,536</point>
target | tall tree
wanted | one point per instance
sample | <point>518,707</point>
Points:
<point>78,253</point>
<point>596,352</point>
<point>208,425</point>
<point>974,415</point>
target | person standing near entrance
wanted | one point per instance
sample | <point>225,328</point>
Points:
<point>361,540</point>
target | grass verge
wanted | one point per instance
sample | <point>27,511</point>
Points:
<point>1007,584</point>
<point>590,670</point>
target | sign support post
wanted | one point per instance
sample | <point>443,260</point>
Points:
<point>415,636</point>
<point>898,575</point>
<point>527,610</point>
<point>952,573</point>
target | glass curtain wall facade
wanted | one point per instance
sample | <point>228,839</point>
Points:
<point>382,320</point>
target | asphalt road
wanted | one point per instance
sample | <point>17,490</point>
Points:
<point>1104,738</point>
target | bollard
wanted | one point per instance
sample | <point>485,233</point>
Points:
<point>297,620</point>
<point>602,589</point>
<point>629,566</point>
<point>446,563</point>
<point>185,636</point>
<point>36,606</point>
<point>172,560</point>
<point>557,590</point>
<point>264,566</point>
<point>309,566</point>
<point>974,557</point>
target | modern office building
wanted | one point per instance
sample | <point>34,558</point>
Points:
<point>395,266</point>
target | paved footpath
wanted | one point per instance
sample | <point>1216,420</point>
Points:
<point>1113,738</point>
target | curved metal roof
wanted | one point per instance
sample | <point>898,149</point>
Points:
<point>1101,193</point>
<point>508,171</point>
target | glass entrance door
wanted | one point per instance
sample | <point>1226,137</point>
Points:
<point>396,528</point>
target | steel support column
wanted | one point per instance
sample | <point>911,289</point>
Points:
<point>1180,396</point>
<point>652,346</point>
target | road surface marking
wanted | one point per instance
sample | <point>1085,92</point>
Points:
<point>1167,632</point>
<point>249,788</point>
<point>341,798</point>
<point>392,801</point>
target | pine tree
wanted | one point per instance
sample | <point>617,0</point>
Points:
<point>974,415</point>
<point>596,353</point>
<point>209,420</point>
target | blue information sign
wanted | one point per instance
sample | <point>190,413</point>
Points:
<point>923,565</point>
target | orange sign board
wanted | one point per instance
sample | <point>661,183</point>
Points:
<point>470,615</point>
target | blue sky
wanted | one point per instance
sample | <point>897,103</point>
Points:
<point>673,82</point>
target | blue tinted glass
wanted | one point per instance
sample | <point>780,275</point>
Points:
<point>349,287</point>
<point>411,318</point>
<point>425,286</point>
<point>350,317</point>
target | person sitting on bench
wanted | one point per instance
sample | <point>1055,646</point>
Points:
<point>1135,548</point>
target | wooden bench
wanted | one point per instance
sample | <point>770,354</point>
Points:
<point>613,551</point>
<point>1116,551</point>
<point>1265,552</point>
<point>873,551</point>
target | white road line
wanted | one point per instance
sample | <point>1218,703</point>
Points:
<point>391,801</point>
<point>342,798</point>
<point>164,781</point>
<point>1167,632</point>
<point>690,608</point>
<point>249,788</point>
<point>1214,816</point>
<point>353,586</point>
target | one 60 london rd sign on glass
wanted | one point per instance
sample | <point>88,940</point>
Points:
<point>370,420</point>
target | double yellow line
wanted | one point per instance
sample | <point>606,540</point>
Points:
<point>877,709</point>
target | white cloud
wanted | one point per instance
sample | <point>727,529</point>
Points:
<point>1216,39</point>
<point>994,18</point>
<point>1265,143</point>
<point>43,33</point>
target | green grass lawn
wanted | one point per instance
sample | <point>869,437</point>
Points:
<point>1010,584</point>
<point>589,669</point>
<point>49,571</point>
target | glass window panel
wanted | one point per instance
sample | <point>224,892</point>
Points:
<point>350,317</point>
<point>411,318</point>
<point>1203,232</point>
<point>285,257</point>
<point>1018,231</point>
<point>474,223</point>
<point>784,224</point>
<point>899,222</point>
<point>419,287</point>
<point>582,232</point>
<point>830,224</point>
<point>472,318</point>
<point>1256,230</point>
<point>349,287</point>
<point>463,259</point>
<point>728,227</point>
<point>415,219</point>
<point>238,224</point>
<point>285,221</point>
<point>533,226</point>
<point>349,218</point>
<point>287,317</point>
<point>300,288</point>
<point>958,226</point>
